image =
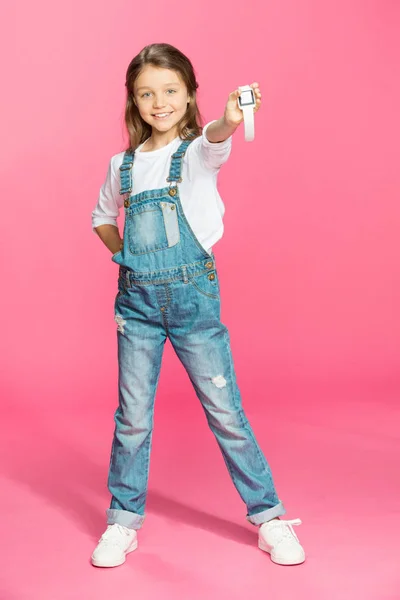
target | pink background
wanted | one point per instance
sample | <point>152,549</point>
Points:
<point>309,267</point>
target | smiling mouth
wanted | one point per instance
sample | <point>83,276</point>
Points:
<point>162,115</point>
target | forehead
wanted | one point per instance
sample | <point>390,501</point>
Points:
<point>153,77</point>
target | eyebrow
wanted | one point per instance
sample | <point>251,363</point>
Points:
<point>146,87</point>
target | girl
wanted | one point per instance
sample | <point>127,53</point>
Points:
<point>168,287</point>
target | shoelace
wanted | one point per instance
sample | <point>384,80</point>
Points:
<point>112,537</point>
<point>287,528</point>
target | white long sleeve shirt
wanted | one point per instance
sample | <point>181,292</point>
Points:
<point>201,202</point>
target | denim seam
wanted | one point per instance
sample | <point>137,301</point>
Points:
<point>147,196</point>
<point>245,423</point>
<point>112,446</point>
<point>168,294</point>
<point>112,449</point>
<point>162,281</point>
<point>159,271</point>
<point>165,321</point>
<point>195,240</point>
<point>148,451</point>
<point>145,492</point>
<point>212,296</point>
<point>166,312</point>
<point>165,247</point>
<point>131,213</point>
<point>176,221</point>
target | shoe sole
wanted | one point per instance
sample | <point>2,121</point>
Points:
<point>116,564</point>
<point>265,548</point>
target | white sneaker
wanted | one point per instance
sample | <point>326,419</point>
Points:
<point>115,543</point>
<point>278,539</point>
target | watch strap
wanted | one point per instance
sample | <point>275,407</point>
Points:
<point>248,116</point>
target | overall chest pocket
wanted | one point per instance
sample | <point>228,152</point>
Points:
<point>152,227</point>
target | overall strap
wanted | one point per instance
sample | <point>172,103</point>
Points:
<point>176,162</point>
<point>126,173</point>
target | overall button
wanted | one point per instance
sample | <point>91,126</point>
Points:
<point>172,191</point>
<point>173,207</point>
<point>209,265</point>
<point>126,203</point>
<point>211,276</point>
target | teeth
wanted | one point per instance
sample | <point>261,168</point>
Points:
<point>162,115</point>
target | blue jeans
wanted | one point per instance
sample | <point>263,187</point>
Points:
<point>168,286</point>
<point>191,320</point>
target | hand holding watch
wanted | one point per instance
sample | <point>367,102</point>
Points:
<point>247,103</point>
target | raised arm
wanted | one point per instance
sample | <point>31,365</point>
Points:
<point>226,126</point>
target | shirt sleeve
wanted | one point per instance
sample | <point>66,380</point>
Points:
<point>214,155</point>
<point>109,201</point>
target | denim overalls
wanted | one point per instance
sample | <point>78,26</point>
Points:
<point>168,287</point>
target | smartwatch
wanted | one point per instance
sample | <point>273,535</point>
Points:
<point>247,102</point>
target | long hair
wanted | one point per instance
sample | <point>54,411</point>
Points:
<point>167,57</point>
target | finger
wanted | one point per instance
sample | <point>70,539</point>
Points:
<point>234,94</point>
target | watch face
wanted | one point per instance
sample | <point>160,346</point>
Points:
<point>246,98</point>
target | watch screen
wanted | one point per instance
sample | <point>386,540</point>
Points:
<point>246,98</point>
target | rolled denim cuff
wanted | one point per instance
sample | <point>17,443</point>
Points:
<point>267,515</point>
<point>125,518</point>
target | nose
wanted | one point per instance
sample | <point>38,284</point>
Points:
<point>159,101</point>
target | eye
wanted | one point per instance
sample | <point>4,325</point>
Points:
<point>146,94</point>
<point>173,91</point>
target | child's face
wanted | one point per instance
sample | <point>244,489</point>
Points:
<point>161,97</point>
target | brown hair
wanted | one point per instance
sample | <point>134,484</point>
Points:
<point>167,57</point>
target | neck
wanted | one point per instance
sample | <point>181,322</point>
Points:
<point>159,139</point>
